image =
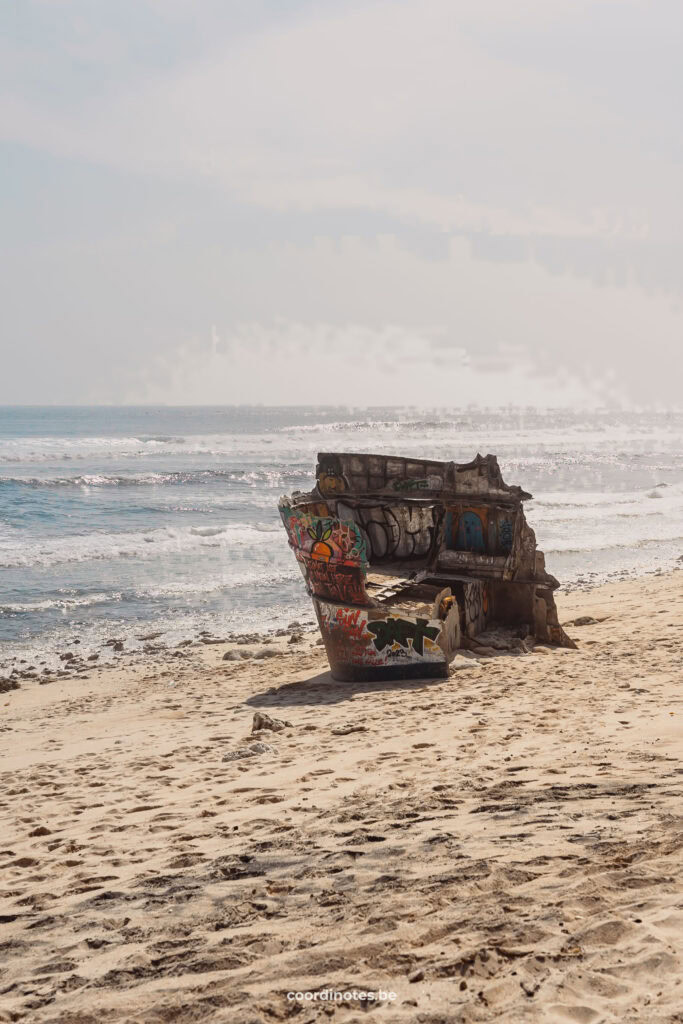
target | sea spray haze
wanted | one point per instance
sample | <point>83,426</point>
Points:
<point>119,521</point>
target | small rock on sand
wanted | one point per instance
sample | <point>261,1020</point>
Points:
<point>250,751</point>
<point>460,661</point>
<point>484,651</point>
<point>263,721</point>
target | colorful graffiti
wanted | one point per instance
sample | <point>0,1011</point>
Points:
<point>392,531</point>
<point>470,535</point>
<point>466,530</point>
<point>331,479</point>
<point>330,553</point>
<point>324,537</point>
<point>335,581</point>
<point>404,632</point>
<point>320,534</point>
<point>357,636</point>
<point>476,606</point>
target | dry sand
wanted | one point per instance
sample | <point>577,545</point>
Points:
<point>505,845</point>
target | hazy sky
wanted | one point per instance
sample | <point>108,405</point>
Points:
<point>406,201</point>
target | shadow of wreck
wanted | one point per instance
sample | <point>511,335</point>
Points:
<point>323,689</point>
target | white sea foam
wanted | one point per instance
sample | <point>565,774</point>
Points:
<point>591,521</point>
<point>65,449</point>
<point>599,506</point>
<point>579,546</point>
<point>236,539</point>
<point>207,531</point>
<point>62,603</point>
<point>253,577</point>
<point>271,478</point>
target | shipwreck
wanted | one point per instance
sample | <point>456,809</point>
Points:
<point>408,560</point>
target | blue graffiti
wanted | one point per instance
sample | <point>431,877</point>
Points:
<point>470,533</point>
<point>505,531</point>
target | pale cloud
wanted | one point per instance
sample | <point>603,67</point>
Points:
<point>447,213</point>
<point>444,180</point>
<point>297,363</point>
<point>389,106</point>
<point>481,344</point>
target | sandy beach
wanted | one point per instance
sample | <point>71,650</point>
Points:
<point>504,845</point>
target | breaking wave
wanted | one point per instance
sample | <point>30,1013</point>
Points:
<point>254,478</point>
<point>570,547</point>
<point>66,449</point>
<point>236,539</point>
<point>61,603</point>
<point>389,426</point>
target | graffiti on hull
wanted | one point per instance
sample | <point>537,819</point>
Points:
<point>429,483</point>
<point>331,479</point>
<point>324,537</point>
<point>331,555</point>
<point>392,531</point>
<point>355,636</point>
<point>335,581</point>
<point>505,534</point>
<point>404,632</point>
<point>476,606</point>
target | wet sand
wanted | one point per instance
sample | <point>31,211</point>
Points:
<point>505,845</point>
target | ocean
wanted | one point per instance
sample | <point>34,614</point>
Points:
<point>115,522</point>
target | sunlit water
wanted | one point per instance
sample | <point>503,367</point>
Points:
<point>118,521</point>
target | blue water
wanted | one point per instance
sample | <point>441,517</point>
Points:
<point>116,521</point>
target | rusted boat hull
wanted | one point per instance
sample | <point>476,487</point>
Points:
<point>373,644</point>
<point>408,559</point>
